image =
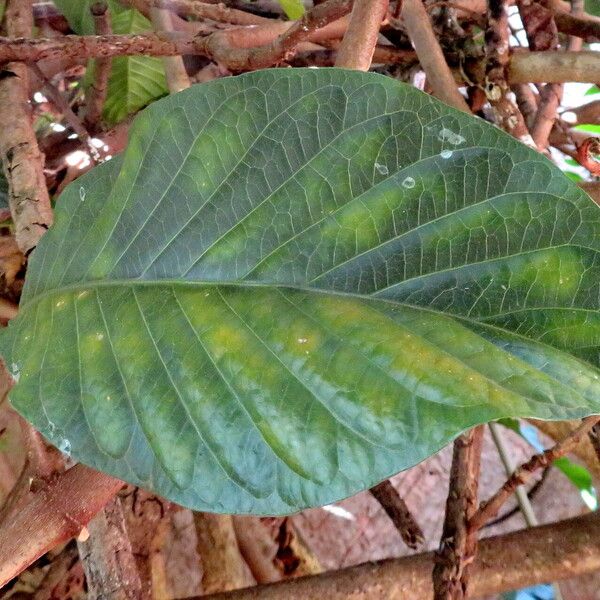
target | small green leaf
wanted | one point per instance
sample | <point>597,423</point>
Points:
<point>588,128</point>
<point>593,89</point>
<point>293,9</point>
<point>297,282</point>
<point>135,81</point>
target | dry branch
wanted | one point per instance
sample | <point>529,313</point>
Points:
<point>360,39</point>
<point>54,513</point>
<point>395,507</point>
<point>108,561</point>
<point>21,158</point>
<point>490,508</point>
<point>503,563</point>
<point>459,543</point>
<point>177,77</point>
<point>497,54</point>
<point>223,567</point>
<point>431,57</point>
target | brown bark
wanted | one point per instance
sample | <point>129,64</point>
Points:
<point>582,26</point>
<point>431,57</point>
<point>507,562</point>
<point>490,508</point>
<point>177,77</point>
<point>268,560</point>
<point>497,54</point>
<point>554,67</point>
<point>395,507</point>
<point>360,39</point>
<point>21,158</point>
<point>458,544</point>
<point>223,567</point>
<point>45,520</point>
<point>107,558</point>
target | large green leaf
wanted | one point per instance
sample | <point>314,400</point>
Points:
<point>135,81</point>
<point>296,283</point>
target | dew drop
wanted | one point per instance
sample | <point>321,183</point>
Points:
<point>382,169</point>
<point>60,304</point>
<point>51,428</point>
<point>65,446</point>
<point>15,371</point>
<point>446,153</point>
<point>302,340</point>
<point>447,135</point>
<point>82,193</point>
<point>409,183</point>
<point>99,336</point>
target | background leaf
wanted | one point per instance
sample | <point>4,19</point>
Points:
<point>135,81</point>
<point>297,282</point>
<point>293,9</point>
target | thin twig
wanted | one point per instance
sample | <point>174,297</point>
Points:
<point>96,94</point>
<point>551,94</point>
<point>431,57</point>
<point>459,544</point>
<point>360,39</point>
<point>177,77</point>
<point>490,508</point>
<point>63,107</point>
<point>216,12</point>
<point>395,507</point>
<point>520,493</point>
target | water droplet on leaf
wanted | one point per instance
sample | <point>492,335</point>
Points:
<point>446,153</point>
<point>409,183</point>
<point>382,169</point>
<point>447,135</point>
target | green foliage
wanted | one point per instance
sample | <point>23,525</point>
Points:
<point>293,9</point>
<point>135,81</point>
<point>593,89</point>
<point>297,282</point>
<point>588,128</point>
<point>592,7</point>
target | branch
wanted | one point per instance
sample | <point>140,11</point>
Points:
<point>395,507</point>
<point>21,158</point>
<point>107,558</point>
<point>177,77</point>
<point>215,12</point>
<point>223,567</point>
<point>490,508</point>
<point>96,95</point>
<point>53,514</point>
<point>431,57</point>
<point>554,67</point>
<point>497,54</point>
<point>360,39</point>
<point>582,26</point>
<point>458,544</point>
<point>507,562</point>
